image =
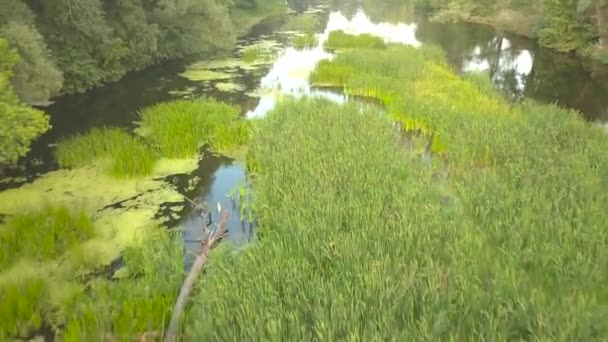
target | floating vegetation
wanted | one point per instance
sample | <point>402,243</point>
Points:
<point>302,41</point>
<point>230,87</point>
<point>195,74</point>
<point>339,40</point>
<point>125,154</point>
<point>187,92</point>
<point>180,128</point>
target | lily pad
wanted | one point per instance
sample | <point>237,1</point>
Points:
<point>194,74</point>
<point>229,87</point>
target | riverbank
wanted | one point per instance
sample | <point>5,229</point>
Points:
<point>520,23</point>
<point>526,24</point>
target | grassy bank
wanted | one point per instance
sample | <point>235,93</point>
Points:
<point>499,235</point>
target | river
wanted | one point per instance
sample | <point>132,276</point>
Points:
<point>517,66</point>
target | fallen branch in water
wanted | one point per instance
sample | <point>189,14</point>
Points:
<point>210,238</point>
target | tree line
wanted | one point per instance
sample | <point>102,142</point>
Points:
<point>70,46</point>
<point>54,47</point>
<point>564,25</point>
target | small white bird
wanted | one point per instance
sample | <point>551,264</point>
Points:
<point>219,207</point>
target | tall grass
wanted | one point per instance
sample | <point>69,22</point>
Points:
<point>180,128</point>
<point>43,234</point>
<point>362,241</point>
<point>303,41</point>
<point>23,307</point>
<point>126,155</point>
<point>339,40</point>
<point>124,309</point>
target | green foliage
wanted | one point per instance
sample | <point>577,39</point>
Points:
<point>43,234</point>
<point>306,23</point>
<point>19,124</point>
<point>36,78</point>
<point>127,155</point>
<point>125,308</point>
<point>94,41</point>
<point>482,241</point>
<point>341,40</point>
<point>247,13</point>
<point>180,128</point>
<point>564,28</point>
<point>23,304</point>
<point>302,41</point>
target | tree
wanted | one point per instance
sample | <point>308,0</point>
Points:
<point>601,18</point>
<point>190,27</point>
<point>19,123</point>
<point>36,77</point>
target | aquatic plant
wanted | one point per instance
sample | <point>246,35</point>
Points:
<point>138,301</point>
<point>125,154</point>
<point>180,128</point>
<point>43,234</point>
<point>302,41</point>
<point>22,307</point>
<point>359,233</point>
<point>251,54</point>
<point>339,40</point>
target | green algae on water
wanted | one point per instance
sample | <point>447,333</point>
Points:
<point>229,87</point>
<point>194,74</point>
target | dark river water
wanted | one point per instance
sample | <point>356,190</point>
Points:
<point>516,65</point>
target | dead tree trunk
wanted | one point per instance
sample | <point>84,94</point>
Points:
<point>207,242</point>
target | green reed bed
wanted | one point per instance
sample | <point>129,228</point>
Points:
<point>363,239</point>
<point>180,128</point>
<point>121,309</point>
<point>126,155</point>
<point>43,234</point>
<point>138,302</point>
<point>339,40</point>
<point>303,41</point>
<point>23,307</point>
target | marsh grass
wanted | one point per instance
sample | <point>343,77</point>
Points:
<point>303,41</point>
<point>180,128</point>
<point>125,155</point>
<point>360,240</point>
<point>23,306</point>
<point>250,55</point>
<point>43,234</point>
<point>125,308</point>
<point>339,40</point>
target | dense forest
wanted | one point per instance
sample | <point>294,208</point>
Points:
<point>72,45</point>
<point>50,48</point>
